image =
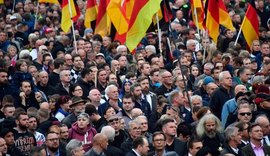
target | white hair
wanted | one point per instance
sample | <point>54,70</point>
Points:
<point>200,129</point>
<point>193,97</point>
<point>221,75</point>
<point>190,41</point>
<point>109,132</point>
<point>24,53</point>
<point>108,89</point>
<point>120,47</point>
<point>151,48</point>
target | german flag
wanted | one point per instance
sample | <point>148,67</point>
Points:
<point>224,17</point>
<point>90,13</point>
<point>140,20</point>
<point>250,24</point>
<point>117,17</point>
<point>126,11</point>
<point>102,23</point>
<point>197,5</point>
<point>43,1</point>
<point>212,19</point>
<point>67,14</point>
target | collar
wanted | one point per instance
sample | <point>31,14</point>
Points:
<point>63,112</point>
<point>56,154</point>
<point>236,150</point>
<point>254,146</point>
<point>137,154</point>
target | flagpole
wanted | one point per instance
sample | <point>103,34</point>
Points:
<point>238,35</point>
<point>36,18</point>
<point>159,34</point>
<point>204,49</point>
<point>72,27</point>
<point>197,22</point>
<point>13,7</point>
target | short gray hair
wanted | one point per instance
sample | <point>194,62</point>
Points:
<point>151,48</point>
<point>108,89</point>
<point>193,97</point>
<point>229,132</point>
<point>221,75</point>
<point>109,132</point>
<point>72,146</point>
<point>132,122</point>
<point>120,47</point>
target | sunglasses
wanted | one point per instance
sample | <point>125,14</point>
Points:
<point>245,113</point>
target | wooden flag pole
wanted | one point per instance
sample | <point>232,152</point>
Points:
<point>72,27</point>
<point>36,18</point>
<point>159,34</point>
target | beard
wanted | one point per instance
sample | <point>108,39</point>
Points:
<point>145,91</point>
<point>23,127</point>
<point>211,134</point>
<point>52,148</point>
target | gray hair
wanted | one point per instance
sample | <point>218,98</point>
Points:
<point>190,41</point>
<point>120,47</point>
<point>221,75</point>
<point>194,97</point>
<point>109,132</point>
<point>141,117</point>
<point>96,43</point>
<point>63,72</point>
<point>151,48</point>
<point>108,89</point>
<point>72,146</point>
<point>132,122</point>
<point>229,132</point>
<point>200,127</point>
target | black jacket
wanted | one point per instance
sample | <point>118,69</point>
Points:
<point>218,98</point>
<point>180,147</point>
<point>58,46</point>
<point>227,149</point>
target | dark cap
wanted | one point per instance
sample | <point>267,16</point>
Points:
<point>208,79</point>
<point>265,97</point>
<point>151,35</point>
<point>239,94</point>
<point>75,100</point>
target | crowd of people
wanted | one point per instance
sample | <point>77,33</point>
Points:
<point>182,96</point>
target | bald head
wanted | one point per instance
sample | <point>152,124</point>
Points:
<point>99,138</point>
<point>263,121</point>
<point>135,112</point>
<point>240,88</point>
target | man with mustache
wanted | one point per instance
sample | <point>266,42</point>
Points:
<point>209,131</point>
<point>149,96</point>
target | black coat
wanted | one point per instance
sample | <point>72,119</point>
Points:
<point>59,89</point>
<point>227,149</point>
<point>112,151</point>
<point>58,46</point>
<point>218,98</point>
<point>180,147</point>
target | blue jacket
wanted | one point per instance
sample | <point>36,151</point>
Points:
<point>229,107</point>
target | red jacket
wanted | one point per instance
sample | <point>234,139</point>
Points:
<point>85,135</point>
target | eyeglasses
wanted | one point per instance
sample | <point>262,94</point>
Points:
<point>53,139</point>
<point>245,113</point>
